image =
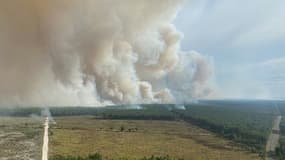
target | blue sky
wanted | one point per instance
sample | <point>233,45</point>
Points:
<point>246,40</point>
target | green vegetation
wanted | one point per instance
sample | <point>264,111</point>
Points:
<point>246,122</point>
<point>249,124</point>
<point>147,111</point>
<point>280,151</point>
<point>98,156</point>
<point>20,112</point>
<point>84,135</point>
<point>20,138</point>
<point>281,106</point>
<point>151,112</point>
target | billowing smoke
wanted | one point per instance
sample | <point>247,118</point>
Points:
<point>96,52</point>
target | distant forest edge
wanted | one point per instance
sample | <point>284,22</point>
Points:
<point>248,123</point>
<point>139,109</point>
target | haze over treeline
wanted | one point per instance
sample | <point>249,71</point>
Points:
<point>94,52</point>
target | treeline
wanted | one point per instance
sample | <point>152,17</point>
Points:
<point>282,126</point>
<point>280,151</point>
<point>98,156</point>
<point>249,125</point>
<point>281,106</point>
<point>156,112</point>
<point>20,111</point>
<point>143,111</point>
<point>138,112</point>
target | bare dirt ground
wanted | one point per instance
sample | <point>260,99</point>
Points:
<point>45,140</point>
<point>20,138</point>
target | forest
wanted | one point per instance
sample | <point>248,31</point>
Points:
<point>249,125</point>
<point>280,151</point>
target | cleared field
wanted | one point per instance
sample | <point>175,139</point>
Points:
<point>133,139</point>
<point>20,138</point>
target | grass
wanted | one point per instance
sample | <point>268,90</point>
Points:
<point>135,139</point>
<point>98,156</point>
<point>20,138</point>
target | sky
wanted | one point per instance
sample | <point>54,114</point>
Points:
<point>245,39</point>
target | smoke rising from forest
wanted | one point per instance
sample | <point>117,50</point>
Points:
<point>94,52</point>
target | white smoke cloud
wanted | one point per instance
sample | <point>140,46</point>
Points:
<point>94,52</point>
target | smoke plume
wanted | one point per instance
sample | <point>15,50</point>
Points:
<point>96,52</point>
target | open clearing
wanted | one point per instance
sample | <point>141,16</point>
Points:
<point>20,138</point>
<point>80,136</point>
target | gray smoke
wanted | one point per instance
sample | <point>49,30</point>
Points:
<point>96,52</point>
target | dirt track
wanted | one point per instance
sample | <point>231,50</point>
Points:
<point>45,141</point>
